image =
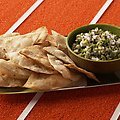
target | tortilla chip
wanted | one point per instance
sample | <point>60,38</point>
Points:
<point>6,81</point>
<point>46,82</point>
<point>59,66</point>
<point>60,41</point>
<point>33,66</point>
<point>30,64</point>
<point>40,35</point>
<point>16,43</point>
<point>88,74</point>
<point>51,40</point>
<point>4,37</point>
<point>62,69</point>
<point>58,53</point>
<point>8,35</point>
<point>38,54</point>
<point>13,70</point>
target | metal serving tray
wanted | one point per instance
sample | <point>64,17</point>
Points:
<point>105,80</point>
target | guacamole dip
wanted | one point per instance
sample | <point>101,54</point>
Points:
<point>97,45</point>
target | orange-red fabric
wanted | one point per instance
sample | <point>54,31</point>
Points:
<point>62,16</point>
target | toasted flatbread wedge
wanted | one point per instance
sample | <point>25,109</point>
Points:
<point>51,40</point>
<point>62,69</point>
<point>46,82</point>
<point>13,70</point>
<point>6,81</point>
<point>88,74</point>
<point>2,40</point>
<point>58,53</point>
<point>35,67</point>
<point>16,43</point>
<point>59,66</point>
<point>15,57</point>
<point>50,82</point>
<point>60,41</point>
<point>29,64</point>
<point>2,37</point>
<point>38,35</point>
<point>38,54</point>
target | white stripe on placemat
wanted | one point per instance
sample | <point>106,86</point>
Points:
<point>33,102</point>
<point>29,107</point>
<point>101,11</point>
<point>24,16</point>
<point>116,113</point>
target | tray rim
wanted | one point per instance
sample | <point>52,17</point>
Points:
<point>27,90</point>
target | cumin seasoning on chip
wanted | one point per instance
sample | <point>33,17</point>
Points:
<point>97,45</point>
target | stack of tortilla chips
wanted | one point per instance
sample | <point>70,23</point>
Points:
<point>39,61</point>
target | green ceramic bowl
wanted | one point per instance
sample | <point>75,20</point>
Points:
<point>108,66</point>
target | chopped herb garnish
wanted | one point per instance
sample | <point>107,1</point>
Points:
<point>97,45</point>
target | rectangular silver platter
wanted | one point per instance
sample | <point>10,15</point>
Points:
<point>105,80</point>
